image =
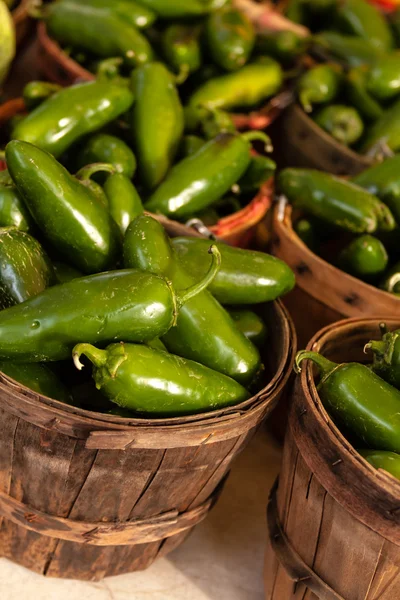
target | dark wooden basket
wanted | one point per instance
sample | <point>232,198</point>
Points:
<point>323,292</point>
<point>334,520</point>
<point>307,145</point>
<point>22,20</point>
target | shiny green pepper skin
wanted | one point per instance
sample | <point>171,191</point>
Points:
<point>72,113</point>
<point>358,95</point>
<point>176,9</point>
<point>245,276</point>
<point>230,38</point>
<point>153,382</point>
<point>200,179</point>
<point>38,378</point>
<point>285,46</point>
<point>383,80</point>
<point>383,180</point>
<point>218,343</point>
<point>65,273</point>
<point>181,49</point>
<point>242,89</point>
<point>364,20</point>
<point>335,200</point>
<point>98,30</point>
<point>13,212</point>
<point>259,171</point>
<point>342,122</point>
<point>386,356</point>
<point>251,325</point>
<point>319,85</point>
<point>381,459</point>
<point>350,49</point>
<point>385,131</point>
<point>124,202</point>
<point>134,13</point>
<point>67,212</point>
<point>25,269</point>
<point>105,148</point>
<point>157,122</point>
<point>35,92</point>
<point>355,396</point>
<point>365,257</point>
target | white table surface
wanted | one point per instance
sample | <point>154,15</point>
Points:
<point>221,560</point>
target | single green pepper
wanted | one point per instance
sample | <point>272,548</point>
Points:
<point>245,88</point>
<point>342,122</point>
<point>259,171</point>
<point>350,49</point>
<point>72,113</point>
<point>285,46</point>
<point>383,80</point>
<point>214,121</point>
<point>358,398</point>
<point>105,148</point>
<point>134,13</point>
<point>307,232</point>
<point>189,145</point>
<point>319,85</point>
<point>67,212</point>
<point>245,276</point>
<point>383,180</point>
<point>335,200</point>
<point>96,29</point>
<point>25,269</point>
<point>384,133</point>
<point>181,49</point>
<point>386,356</point>
<point>365,257</point>
<point>65,273</point>
<point>383,459</point>
<point>387,282</point>
<point>204,331</point>
<point>95,170</point>
<point>365,20</point>
<point>153,382</point>
<point>157,122</point>
<point>13,212</point>
<point>124,202</point>
<point>230,38</point>
<point>251,325</point>
<point>199,180</point>
<point>35,92</point>
<point>118,305</point>
<point>358,95</point>
<point>38,378</point>
<point>175,9</point>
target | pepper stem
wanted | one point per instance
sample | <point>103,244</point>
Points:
<point>377,347</point>
<point>304,101</point>
<point>183,296</point>
<point>251,136</point>
<point>393,281</point>
<point>324,365</point>
<point>89,170</point>
<point>384,348</point>
<point>183,74</point>
<point>95,355</point>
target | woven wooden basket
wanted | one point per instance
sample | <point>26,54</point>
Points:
<point>333,520</point>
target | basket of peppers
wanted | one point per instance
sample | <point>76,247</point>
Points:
<point>339,485</point>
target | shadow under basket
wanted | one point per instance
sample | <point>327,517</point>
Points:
<point>333,519</point>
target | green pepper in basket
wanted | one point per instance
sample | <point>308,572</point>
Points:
<point>351,50</point>
<point>365,257</point>
<point>365,20</point>
<point>176,9</point>
<point>38,378</point>
<point>124,202</point>
<point>366,404</point>
<point>65,273</point>
<point>343,123</point>
<point>285,46</point>
<point>319,85</point>
<point>35,92</point>
<point>384,134</point>
<point>387,357</point>
<point>383,180</point>
<point>134,13</point>
<point>181,49</point>
<point>13,212</point>
<point>388,283</point>
<point>105,148</point>
<point>383,459</point>
<point>250,324</point>
<point>259,171</point>
<point>358,95</point>
<point>190,144</point>
<point>230,38</point>
<point>383,80</point>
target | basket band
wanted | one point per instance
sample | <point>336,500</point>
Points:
<point>293,564</point>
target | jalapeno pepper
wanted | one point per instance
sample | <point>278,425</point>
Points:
<point>199,180</point>
<point>365,20</point>
<point>72,113</point>
<point>383,459</point>
<point>285,46</point>
<point>307,232</point>
<point>350,49</point>
<point>124,202</point>
<point>35,92</point>
<point>383,80</point>
<point>383,180</point>
<point>365,258</point>
<point>355,396</point>
<point>251,325</point>
<point>386,356</point>
<point>176,9</point>
<point>219,344</point>
<point>65,273</point>
<point>335,200</point>
<point>343,123</point>
<point>153,382</point>
<point>157,122</point>
<point>132,12</point>
<point>13,212</point>
<point>181,49</point>
<point>358,95</point>
<point>387,283</point>
<point>190,144</point>
<point>85,174</point>
<point>214,121</point>
<point>230,37</point>
<point>105,148</point>
<point>118,305</point>
<point>67,212</point>
<point>259,171</point>
<point>245,276</point>
<point>384,133</point>
<point>319,85</point>
<point>38,378</point>
<point>245,88</point>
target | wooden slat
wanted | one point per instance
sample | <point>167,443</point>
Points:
<point>8,426</point>
<point>385,584</point>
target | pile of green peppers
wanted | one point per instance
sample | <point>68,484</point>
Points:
<point>352,223</point>
<point>364,399</point>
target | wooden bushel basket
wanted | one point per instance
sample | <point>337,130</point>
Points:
<point>334,520</point>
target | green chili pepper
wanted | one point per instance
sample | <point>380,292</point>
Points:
<point>383,180</point>
<point>132,12</point>
<point>245,276</point>
<point>118,305</point>
<point>307,232</point>
<point>343,123</point>
<point>245,88</point>
<point>218,343</point>
<point>384,133</point>
<point>358,398</point>
<point>85,174</point>
<point>383,80</point>
<point>358,95</point>
<point>386,356</point>
<point>123,200</point>
<point>39,378</point>
<point>365,257</point>
<point>67,212</point>
<point>96,29</point>
<point>176,9</point>
<point>381,459</point>
<point>285,46</point>
<point>35,92</point>
<point>230,37</point>
<point>363,19</point>
<point>181,49</point>
<point>25,269</point>
<point>13,212</point>
<point>157,122</point>
<point>214,121</point>
<point>251,325</point>
<point>190,144</point>
<point>387,282</point>
<point>259,171</point>
<point>105,148</point>
<point>156,344</point>
<point>335,200</point>
<point>319,85</point>
<point>65,273</point>
<point>72,113</point>
<point>150,381</point>
<point>350,49</point>
<point>201,179</point>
